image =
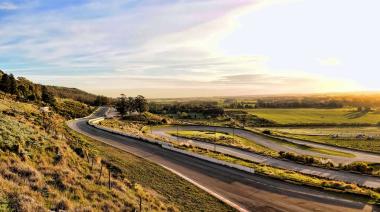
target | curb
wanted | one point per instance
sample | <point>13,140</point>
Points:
<point>170,147</point>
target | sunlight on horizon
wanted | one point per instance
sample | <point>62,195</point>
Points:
<point>249,47</point>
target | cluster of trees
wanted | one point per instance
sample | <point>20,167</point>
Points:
<point>205,108</point>
<point>8,84</point>
<point>125,105</point>
<point>298,103</point>
<point>25,90</point>
<point>238,105</point>
<point>358,100</point>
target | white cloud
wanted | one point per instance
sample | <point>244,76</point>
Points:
<point>159,46</point>
<point>244,84</point>
<point>8,6</point>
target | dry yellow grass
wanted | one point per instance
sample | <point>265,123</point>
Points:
<point>44,168</point>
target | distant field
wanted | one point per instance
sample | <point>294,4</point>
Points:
<point>346,132</point>
<point>317,116</point>
<point>346,136</point>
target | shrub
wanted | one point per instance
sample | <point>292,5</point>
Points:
<point>267,132</point>
<point>359,167</point>
<point>302,159</point>
<point>63,205</point>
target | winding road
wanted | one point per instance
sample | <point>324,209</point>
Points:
<point>246,192</point>
<point>364,180</point>
<point>267,142</point>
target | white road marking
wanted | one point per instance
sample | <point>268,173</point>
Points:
<point>218,196</point>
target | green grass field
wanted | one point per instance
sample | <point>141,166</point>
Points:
<point>346,136</point>
<point>225,139</point>
<point>317,116</point>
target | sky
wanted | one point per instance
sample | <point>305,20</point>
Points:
<point>190,48</point>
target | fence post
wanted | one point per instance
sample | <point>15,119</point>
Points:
<point>101,170</point>
<point>109,178</point>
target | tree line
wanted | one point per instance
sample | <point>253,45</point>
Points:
<point>358,100</point>
<point>25,90</point>
<point>126,105</point>
<point>205,108</point>
<point>298,103</point>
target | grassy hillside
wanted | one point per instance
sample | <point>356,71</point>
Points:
<point>44,166</point>
<point>26,90</point>
<point>40,169</point>
<point>72,93</point>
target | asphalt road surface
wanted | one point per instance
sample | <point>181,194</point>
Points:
<point>267,142</point>
<point>245,191</point>
<point>364,180</point>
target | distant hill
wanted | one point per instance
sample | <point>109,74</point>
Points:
<point>73,93</point>
<point>29,88</point>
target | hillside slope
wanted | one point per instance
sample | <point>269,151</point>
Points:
<point>42,167</point>
<point>28,90</point>
<point>45,166</point>
<point>72,93</point>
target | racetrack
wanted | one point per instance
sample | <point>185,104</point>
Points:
<point>244,191</point>
<point>364,180</point>
<point>269,143</point>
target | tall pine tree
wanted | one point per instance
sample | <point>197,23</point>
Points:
<point>5,83</point>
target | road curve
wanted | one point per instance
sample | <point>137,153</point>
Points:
<point>364,180</point>
<point>267,142</point>
<point>246,191</point>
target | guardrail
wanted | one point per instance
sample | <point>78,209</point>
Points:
<point>94,123</point>
<point>164,145</point>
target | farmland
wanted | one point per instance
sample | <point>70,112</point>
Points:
<point>362,138</point>
<point>317,116</point>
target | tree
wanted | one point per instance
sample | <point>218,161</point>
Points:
<point>5,83</point>
<point>131,104</point>
<point>121,105</point>
<point>22,92</point>
<point>12,84</point>
<point>47,96</point>
<point>141,104</point>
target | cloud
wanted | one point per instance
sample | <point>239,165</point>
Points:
<point>227,85</point>
<point>108,47</point>
<point>8,6</point>
<point>109,39</point>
